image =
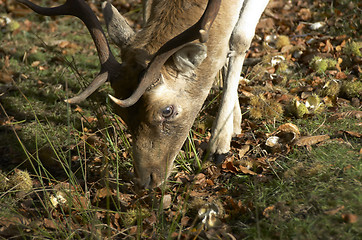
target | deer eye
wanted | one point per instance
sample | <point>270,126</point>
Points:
<point>168,111</point>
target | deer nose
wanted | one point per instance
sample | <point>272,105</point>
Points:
<point>147,182</point>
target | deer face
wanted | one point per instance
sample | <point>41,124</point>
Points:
<point>160,120</point>
<point>160,98</point>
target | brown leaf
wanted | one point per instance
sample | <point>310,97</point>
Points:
<point>35,63</point>
<point>353,134</point>
<point>5,77</point>
<point>268,210</point>
<point>78,109</point>
<point>357,114</point>
<point>184,220</point>
<point>300,27</point>
<point>50,224</point>
<point>311,140</point>
<point>103,192</point>
<point>328,47</point>
<point>151,220</point>
<point>245,170</point>
<point>200,179</point>
<point>334,211</point>
<point>63,44</point>
<point>244,149</point>
<point>349,218</point>
<point>210,182</point>
<point>289,127</point>
<point>166,201</point>
<point>228,166</point>
<point>305,14</point>
<point>341,75</point>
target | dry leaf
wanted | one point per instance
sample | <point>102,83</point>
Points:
<point>48,223</point>
<point>354,134</point>
<point>245,170</point>
<point>357,114</point>
<point>184,220</point>
<point>78,109</point>
<point>103,192</point>
<point>341,75</point>
<point>166,201</point>
<point>244,149</point>
<point>268,210</point>
<point>228,166</point>
<point>35,63</point>
<point>5,77</point>
<point>350,218</point>
<point>334,211</point>
<point>311,140</point>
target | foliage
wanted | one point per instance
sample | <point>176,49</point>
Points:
<point>293,173</point>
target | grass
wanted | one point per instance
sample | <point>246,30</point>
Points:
<point>80,163</point>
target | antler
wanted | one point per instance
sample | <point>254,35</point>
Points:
<point>110,68</point>
<point>199,30</point>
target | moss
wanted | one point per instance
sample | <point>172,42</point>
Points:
<point>331,88</point>
<point>314,104</point>
<point>4,182</point>
<point>21,181</point>
<point>132,215</point>
<point>297,109</point>
<point>353,49</point>
<point>320,65</point>
<point>351,89</point>
<point>282,67</point>
<point>260,107</point>
<point>282,41</point>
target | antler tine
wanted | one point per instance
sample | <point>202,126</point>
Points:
<point>110,68</point>
<point>199,31</point>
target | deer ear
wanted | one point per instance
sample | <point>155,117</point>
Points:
<point>190,57</point>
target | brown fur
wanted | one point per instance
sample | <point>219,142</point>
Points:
<point>157,140</point>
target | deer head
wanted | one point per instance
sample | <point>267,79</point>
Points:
<point>156,89</point>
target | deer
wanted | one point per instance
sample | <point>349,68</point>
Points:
<point>167,71</point>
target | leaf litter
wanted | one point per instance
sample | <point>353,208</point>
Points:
<point>306,42</point>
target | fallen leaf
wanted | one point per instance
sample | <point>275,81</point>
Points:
<point>341,75</point>
<point>349,218</point>
<point>289,127</point>
<point>244,149</point>
<point>311,140</point>
<point>50,224</point>
<point>35,63</point>
<point>78,109</point>
<point>245,170</point>
<point>166,201</point>
<point>228,166</point>
<point>103,192</point>
<point>268,210</point>
<point>353,134</point>
<point>357,114</point>
<point>184,220</point>
<point>334,211</point>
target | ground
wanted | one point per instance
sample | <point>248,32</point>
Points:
<point>294,172</point>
